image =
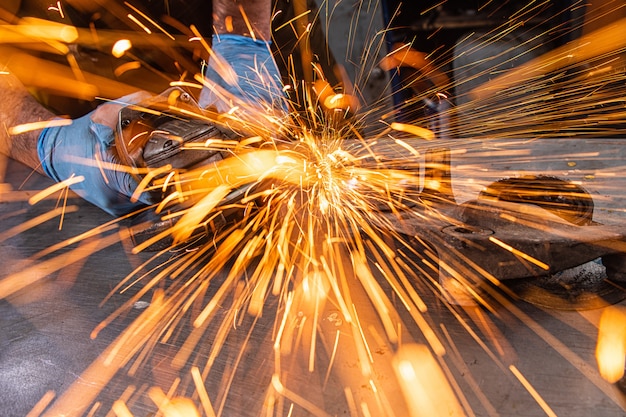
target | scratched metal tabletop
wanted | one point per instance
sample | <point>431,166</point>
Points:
<point>56,300</point>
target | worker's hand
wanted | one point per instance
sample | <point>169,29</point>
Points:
<point>242,77</point>
<point>86,148</point>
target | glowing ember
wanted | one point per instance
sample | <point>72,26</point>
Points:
<point>297,223</point>
<point>424,384</point>
<point>611,347</point>
<point>121,47</point>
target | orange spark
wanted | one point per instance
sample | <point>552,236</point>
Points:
<point>120,47</point>
<point>519,253</point>
<point>154,23</point>
<point>129,66</point>
<point>138,23</point>
<point>418,131</point>
<point>29,127</point>
<point>533,392</point>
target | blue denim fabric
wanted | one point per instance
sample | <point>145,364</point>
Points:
<point>76,149</point>
<point>244,71</point>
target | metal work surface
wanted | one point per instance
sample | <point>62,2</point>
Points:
<point>525,360</point>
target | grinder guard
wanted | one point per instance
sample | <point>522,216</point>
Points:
<point>163,131</point>
<point>159,132</point>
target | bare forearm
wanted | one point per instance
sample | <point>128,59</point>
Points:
<point>228,17</point>
<point>18,107</point>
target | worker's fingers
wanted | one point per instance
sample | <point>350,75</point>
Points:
<point>107,114</point>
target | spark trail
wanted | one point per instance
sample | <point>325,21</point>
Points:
<point>313,262</point>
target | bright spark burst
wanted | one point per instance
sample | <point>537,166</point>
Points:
<point>314,239</point>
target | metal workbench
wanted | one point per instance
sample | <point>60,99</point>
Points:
<point>45,327</point>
